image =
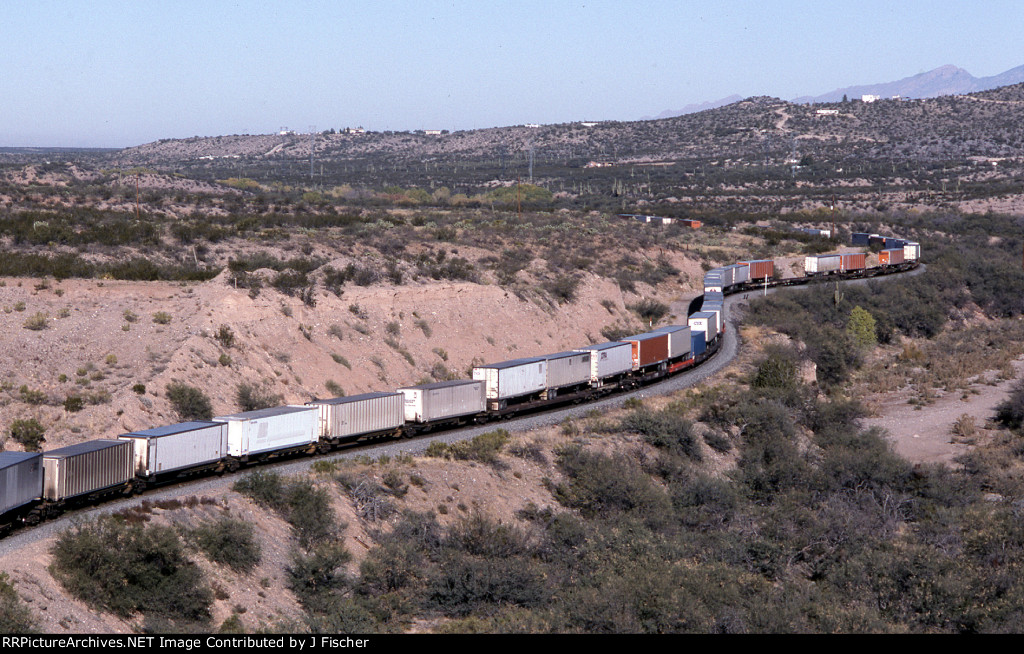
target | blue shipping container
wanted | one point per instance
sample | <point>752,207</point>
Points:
<point>698,343</point>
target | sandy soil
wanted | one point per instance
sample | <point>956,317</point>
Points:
<point>925,435</point>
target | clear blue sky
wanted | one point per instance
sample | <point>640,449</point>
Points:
<point>107,73</point>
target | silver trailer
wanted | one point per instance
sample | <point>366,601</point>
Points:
<point>707,322</point>
<point>177,447</point>
<point>566,369</point>
<point>608,360</point>
<point>511,379</point>
<point>267,430</point>
<point>678,340</point>
<point>728,276</point>
<point>351,417</point>
<point>21,479</point>
<point>822,264</point>
<point>740,273</point>
<point>911,251</point>
<point>443,400</point>
<point>85,468</point>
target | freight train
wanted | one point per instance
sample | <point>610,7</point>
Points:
<point>34,485</point>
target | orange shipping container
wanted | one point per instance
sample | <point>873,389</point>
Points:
<point>890,257</point>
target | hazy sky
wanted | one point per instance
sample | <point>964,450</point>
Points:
<point>104,73</point>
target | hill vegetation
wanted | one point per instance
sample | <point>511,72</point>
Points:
<point>759,502</point>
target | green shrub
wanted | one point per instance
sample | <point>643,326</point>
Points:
<point>127,568</point>
<point>139,389</point>
<point>664,429</point>
<point>775,371</point>
<point>316,578</point>
<point>229,542</point>
<point>266,488</point>
<point>189,402</point>
<point>31,396</point>
<point>15,617</point>
<point>29,432</point>
<point>251,397</point>
<point>1010,412</point>
<point>225,336</point>
<point>602,486</point>
<point>306,507</point>
<point>37,321</point>
<point>161,318</point>
<point>484,448</point>
<point>464,584</point>
<point>342,360</point>
<point>73,403</point>
<point>650,310</point>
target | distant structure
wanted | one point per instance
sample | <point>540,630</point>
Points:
<point>353,130</point>
<point>870,98</point>
<point>692,224</point>
<point>432,132</point>
<point>827,112</point>
<point>532,125</point>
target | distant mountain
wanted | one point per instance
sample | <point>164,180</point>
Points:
<point>944,80</point>
<point>694,108</point>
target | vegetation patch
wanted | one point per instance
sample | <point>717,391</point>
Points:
<point>123,568</point>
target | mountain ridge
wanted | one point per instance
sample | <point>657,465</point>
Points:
<point>944,80</point>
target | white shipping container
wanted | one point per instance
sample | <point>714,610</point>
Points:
<point>21,479</point>
<point>608,360</point>
<point>568,369</point>
<point>369,413</point>
<point>513,378</point>
<point>443,400</point>
<point>176,447</point>
<point>911,251</point>
<point>713,282</point>
<point>705,321</point>
<point>717,308</point>
<point>823,263</point>
<point>266,430</point>
<point>678,340</point>
<point>86,467</point>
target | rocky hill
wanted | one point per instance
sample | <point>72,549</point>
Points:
<point>985,124</point>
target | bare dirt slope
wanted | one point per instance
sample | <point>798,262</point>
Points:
<point>928,434</point>
<point>102,337</point>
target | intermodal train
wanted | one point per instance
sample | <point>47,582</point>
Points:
<point>34,485</point>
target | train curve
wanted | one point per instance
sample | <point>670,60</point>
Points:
<point>213,485</point>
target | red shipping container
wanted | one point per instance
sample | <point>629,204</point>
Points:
<point>890,257</point>
<point>761,269</point>
<point>853,261</point>
<point>648,348</point>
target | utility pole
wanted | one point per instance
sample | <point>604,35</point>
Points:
<point>312,142</point>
